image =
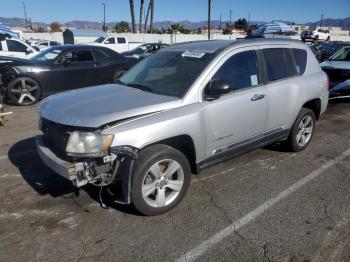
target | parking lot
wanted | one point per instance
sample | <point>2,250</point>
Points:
<point>268,205</point>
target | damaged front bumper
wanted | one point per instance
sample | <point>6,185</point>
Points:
<point>117,166</point>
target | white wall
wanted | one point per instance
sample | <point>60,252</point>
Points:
<point>149,38</point>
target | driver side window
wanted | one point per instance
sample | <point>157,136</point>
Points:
<point>240,71</point>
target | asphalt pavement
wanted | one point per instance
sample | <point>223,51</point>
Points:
<point>267,205</point>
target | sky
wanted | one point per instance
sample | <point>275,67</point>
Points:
<point>299,11</point>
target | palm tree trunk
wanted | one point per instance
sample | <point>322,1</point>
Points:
<point>132,11</point>
<point>141,13</point>
<point>209,18</point>
<point>152,14</point>
<point>147,15</point>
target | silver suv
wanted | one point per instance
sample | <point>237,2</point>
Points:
<point>180,110</point>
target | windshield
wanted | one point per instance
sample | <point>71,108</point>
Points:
<point>100,39</point>
<point>47,55</point>
<point>168,73</point>
<point>341,55</point>
<point>141,49</point>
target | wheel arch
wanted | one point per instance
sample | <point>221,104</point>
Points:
<point>184,143</point>
<point>315,106</point>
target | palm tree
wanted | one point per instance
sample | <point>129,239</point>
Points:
<point>152,14</point>
<point>209,15</point>
<point>176,28</point>
<point>132,11</point>
<point>141,13</point>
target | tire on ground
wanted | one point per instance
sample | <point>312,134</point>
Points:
<point>146,159</point>
<point>292,139</point>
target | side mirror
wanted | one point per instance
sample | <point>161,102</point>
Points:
<point>28,51</point>
<point>216,88</point>
<point>64,62</point>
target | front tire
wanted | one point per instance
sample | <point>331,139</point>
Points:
<point>24,91</point>
<point>302,130</point>
<point>162,176</point>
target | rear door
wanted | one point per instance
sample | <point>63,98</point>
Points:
<point>17,49</point>
<point>238,117</point>
<point>282,86</point>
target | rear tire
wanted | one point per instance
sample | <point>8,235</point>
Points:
<point>24,91</point>
<point>302,130</point>
<point>162,176</point>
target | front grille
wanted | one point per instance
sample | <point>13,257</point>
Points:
<point>56,137</point>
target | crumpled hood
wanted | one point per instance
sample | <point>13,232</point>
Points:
<point>99,105</point>
<point>335,64</point>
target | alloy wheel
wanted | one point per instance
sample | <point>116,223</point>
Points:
<point>25,92</point>
<point>305,129</point>
<point>162,183</point>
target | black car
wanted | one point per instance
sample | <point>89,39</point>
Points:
<point>60,68</point>
<point>337,67</point>
<point>144,50</point>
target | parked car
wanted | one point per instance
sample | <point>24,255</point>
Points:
<point>117,43</point>
<point>315,35</point>
<point>16,48</point>
<point>145,50</point>
<point>42,45</point>
<point>330,48</point>
<point>179,111</point>
<point>337,68</point>
<point>61,68</point>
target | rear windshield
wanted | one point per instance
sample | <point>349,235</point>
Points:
<point>341,55</point>
<point>168,73</point>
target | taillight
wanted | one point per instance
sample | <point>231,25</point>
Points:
<point>328,83</point>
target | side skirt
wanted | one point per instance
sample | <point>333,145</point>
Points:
<point>242,148</point>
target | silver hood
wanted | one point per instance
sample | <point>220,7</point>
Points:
<point>99,105</point>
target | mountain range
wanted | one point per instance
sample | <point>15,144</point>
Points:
<point>20,22</point>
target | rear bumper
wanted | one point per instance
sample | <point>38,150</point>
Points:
<point>60,166</point>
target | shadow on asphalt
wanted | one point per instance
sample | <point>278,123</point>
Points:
<point>46,182</point>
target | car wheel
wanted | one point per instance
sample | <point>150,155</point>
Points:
<point>162,176</point>
<point>24,91</point>
<point>118,75</point>
<point>302,130</point>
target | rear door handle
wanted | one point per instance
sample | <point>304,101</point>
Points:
<point>257,97</point>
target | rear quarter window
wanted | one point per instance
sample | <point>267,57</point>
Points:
<point>278,64</point>
<point>300,58</point>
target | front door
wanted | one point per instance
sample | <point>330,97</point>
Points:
<point>237,117</point>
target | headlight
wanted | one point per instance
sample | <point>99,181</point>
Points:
<point>88,144</point>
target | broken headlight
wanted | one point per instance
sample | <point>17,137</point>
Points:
<point>88,144</point>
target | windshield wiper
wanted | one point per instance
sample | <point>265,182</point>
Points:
<point>140,86</point>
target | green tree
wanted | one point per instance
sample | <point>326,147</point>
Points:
<point>122,27</point>
<point>227,31</point>
<point>242,24</point>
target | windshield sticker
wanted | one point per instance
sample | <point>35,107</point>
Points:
<point>193,54</point>
<point>254,80</point>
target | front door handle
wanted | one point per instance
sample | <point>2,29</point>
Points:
<point>257,97</point>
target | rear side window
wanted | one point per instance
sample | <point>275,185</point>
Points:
<point>121,40</point>
<point>278,63</point>
<point>77,56</point>
<point>300,57</point>
<point>99,55</point>
<point>240,70</point>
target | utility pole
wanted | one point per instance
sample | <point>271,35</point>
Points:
<point>220,21</point>
<point>321,21</point>
<point>230,18</point>
<point>209,18</point>
<point>104,17</point>
<point>25,14</point>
